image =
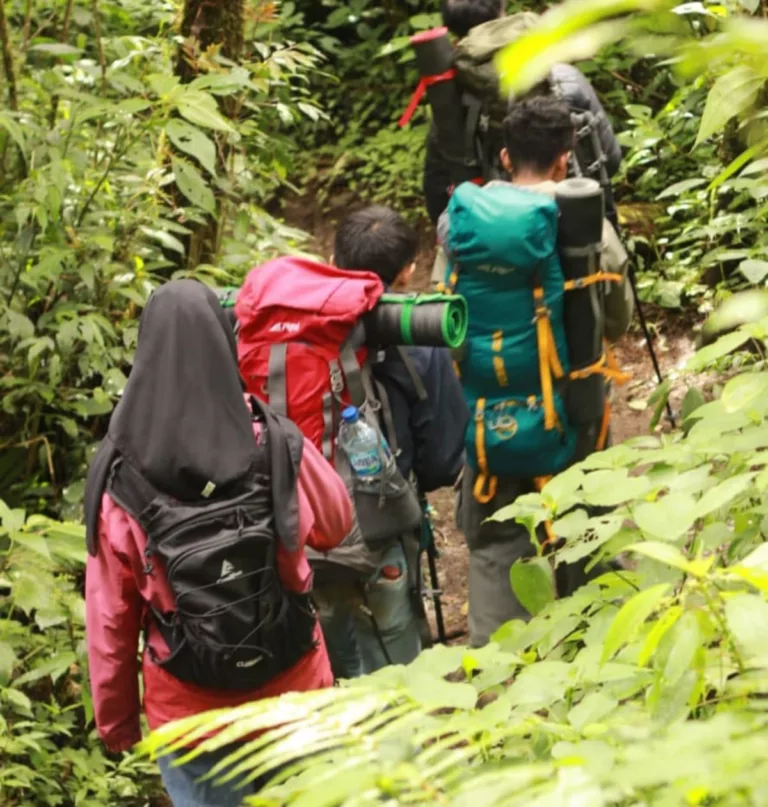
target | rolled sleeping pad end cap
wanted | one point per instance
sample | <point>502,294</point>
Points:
<point>429,36</point>
<point>578,188</point>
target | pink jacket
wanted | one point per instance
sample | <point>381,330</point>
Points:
<point>118,593</point>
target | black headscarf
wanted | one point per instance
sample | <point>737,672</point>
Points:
<point>182,421</point>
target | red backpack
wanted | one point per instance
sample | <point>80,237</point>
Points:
<point>301,349</point>
<point>298,314</point>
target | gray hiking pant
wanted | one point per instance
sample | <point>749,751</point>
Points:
<point>494,547</point>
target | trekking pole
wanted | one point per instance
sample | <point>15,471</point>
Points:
<point>648,340</point>
<point>428,544</point>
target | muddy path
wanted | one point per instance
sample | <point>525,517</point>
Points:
<point>673,337</point>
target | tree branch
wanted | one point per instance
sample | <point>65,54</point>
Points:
<point>10,75</point>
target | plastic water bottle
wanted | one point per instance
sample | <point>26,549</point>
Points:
<point>363,445</point>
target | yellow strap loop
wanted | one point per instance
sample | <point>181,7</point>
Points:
<point>482,494</point>
<point>590,280</point>
<point>549,361</point>
<point>605,366</point>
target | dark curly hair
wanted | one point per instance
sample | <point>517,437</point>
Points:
<point>537,131</point>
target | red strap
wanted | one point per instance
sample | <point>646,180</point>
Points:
<point>418,94</point>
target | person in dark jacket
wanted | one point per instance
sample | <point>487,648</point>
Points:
<point>565,81</point>
<point>430,437</point>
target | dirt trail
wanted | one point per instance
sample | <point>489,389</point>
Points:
<point>631,416</point>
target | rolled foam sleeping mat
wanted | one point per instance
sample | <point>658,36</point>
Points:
<point>434,57</point>
<point>227,296</point>
<point>429,320</point>
<point>580,234</point>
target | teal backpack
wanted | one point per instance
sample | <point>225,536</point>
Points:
<point>502,247</point>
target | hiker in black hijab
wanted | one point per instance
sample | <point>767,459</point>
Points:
<point>182,421</point>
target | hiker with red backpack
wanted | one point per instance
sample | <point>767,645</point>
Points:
<point>199,506</point>
<point>302,348</point>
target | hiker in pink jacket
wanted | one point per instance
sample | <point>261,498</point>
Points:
<point>183,438</point>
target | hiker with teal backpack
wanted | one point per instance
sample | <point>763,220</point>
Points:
<point>502,246</point>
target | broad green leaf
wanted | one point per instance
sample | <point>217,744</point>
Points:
<point>437,693</point>
<point>533,584</point>
<point>757,559</point>
<point>12,520</point>
<point>722,494</point>
<point>15,131</point>
<point>722,347</point>
<point>733,93</point>
<point>191,140</point>
<point>693,400</point>
<point>664,553</point>
<point>191,183</point>
<point>592,709</point>
<point>21,701</point>
<point>55,667</point>
<point>685,642</point>
<point>667,518</point>
<point>165,239</point>
<point>754,271</point>
<point>31,591</point>
<point>747,618</point>
<point>7,660</point>
<point>631,617</point>
<point>36,543</point>
<point>610,488</point>
<point>657,633</point>
<point>57,49</point>
<point>681,187</point>
<point>201,109</point>
<point>743,391</point>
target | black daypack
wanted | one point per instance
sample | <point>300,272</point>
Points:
<point>235,627</point>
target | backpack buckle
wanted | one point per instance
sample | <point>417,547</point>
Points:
<point>337,379</point>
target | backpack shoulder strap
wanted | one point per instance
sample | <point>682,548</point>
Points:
<point>128,487</point>
<point>421,390</point>
<point>286,446</point>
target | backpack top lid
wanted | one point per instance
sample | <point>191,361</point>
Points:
<point>501,225</point>
<point>474,53</point>
<point>289,299</point>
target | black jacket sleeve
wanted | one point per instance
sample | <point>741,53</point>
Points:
<point>439,425</point>
<point>430,433</point>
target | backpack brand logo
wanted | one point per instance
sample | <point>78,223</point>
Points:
<point>228,572</point>
<point>251,662</point>
<point>285,327</point>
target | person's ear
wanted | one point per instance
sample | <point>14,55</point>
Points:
<point>560,168</point>
<point>404,277</point>
<point>506,162</point>
<point>332,261</point>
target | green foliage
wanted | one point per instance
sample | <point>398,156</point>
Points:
<point>50,754</point>
<point>115,176</point>
<point>644,687</point>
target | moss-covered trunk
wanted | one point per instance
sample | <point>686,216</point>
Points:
<point>207,25</point>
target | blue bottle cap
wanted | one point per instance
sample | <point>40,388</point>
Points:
<point>350,415</point>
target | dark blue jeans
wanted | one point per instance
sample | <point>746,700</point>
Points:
<point>186,791</point>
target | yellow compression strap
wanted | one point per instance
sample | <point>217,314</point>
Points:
<point>590,280</point>
<point>549,361</point>
<point>498,361</point>
<point>485,486</point>
<point>604,367</point>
